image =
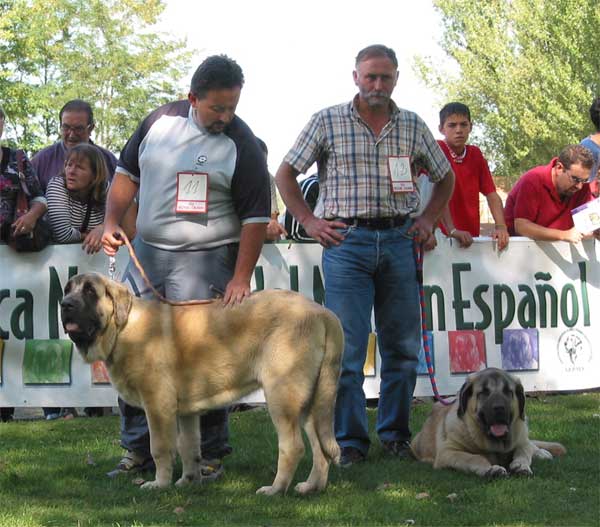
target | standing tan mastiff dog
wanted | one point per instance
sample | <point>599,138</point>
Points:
<point>177,361</point>
<point>484,430</point>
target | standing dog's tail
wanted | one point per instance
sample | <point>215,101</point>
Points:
<point>323,405</point>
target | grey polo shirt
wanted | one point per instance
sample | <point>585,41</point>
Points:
<point>168,142</point>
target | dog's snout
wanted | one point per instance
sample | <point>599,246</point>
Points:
<point>67,304</point>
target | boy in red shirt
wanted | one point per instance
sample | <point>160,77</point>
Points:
<point>460,219</point>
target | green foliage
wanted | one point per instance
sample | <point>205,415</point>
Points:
<point>53,473</point>
<point>528,69</point>
<point>102,51</point>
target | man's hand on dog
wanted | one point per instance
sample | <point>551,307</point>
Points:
<point>236,291</point>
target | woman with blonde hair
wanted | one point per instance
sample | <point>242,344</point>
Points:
<point>77,198</point>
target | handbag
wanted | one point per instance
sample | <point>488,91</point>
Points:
<point>40,236</point>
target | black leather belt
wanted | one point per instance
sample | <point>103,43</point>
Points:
<point>378,224</point>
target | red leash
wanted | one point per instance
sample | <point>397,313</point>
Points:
<point>418,252</point>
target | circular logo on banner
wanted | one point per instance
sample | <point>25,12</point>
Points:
<point>574,349</point>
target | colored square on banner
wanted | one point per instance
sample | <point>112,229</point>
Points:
<point>99,373</point>
<point>422,366</point>
<point>467,351</point>
<point>1,357</point>
<point>47,362</point>
<point>520,350</point>
<point>369,369</point>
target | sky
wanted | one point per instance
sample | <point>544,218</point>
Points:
<point>298,57</point>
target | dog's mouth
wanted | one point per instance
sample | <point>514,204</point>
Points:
<point>498,430</point>
<point>81,336</point>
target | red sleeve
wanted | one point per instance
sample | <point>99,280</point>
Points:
<point>527,201</point>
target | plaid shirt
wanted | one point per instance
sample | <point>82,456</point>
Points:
<point>353,163</point>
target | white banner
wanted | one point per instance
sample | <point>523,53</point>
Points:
<point>529,310</point>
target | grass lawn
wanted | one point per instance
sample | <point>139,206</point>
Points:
<point>53,473</point>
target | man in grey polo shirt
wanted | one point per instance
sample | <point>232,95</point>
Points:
<point>204,205</point>
<point>369,153</point>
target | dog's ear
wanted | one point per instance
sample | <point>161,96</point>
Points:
<point>122,300</point>
<point>463,397</point>
<point>520,392</point>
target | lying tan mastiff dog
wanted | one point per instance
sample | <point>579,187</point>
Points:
<point>484,431</point>
<point>177,361</point>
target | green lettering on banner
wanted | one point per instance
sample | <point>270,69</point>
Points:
<point>564,307</point>
<point>23,311</point>
<point>4,293</point>
<point>584,293</point>
<point>542,290</point>
<point>458,303</point>
<point>486,312</point>
<point>55,296</point>
<point>502,319</point>
<point>527,303</point>
<point>430,291</point>
<point>318,289</point>
<point>259,278</point>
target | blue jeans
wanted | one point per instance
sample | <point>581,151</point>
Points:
<point>375,269</point>
<point>179,275</point>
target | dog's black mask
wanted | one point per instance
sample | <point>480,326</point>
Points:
<point>79,315</point>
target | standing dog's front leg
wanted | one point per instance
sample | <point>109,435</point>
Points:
<point>188,446</point>
<point>163,434</point>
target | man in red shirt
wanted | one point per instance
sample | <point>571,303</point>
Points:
<point>539,205</point>
<point>460,219</point>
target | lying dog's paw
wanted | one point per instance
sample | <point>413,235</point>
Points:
<point>496,471</point>
<point>542,453</point>
<point>519,469</point>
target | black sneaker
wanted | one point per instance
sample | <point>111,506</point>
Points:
<point>397,448</point>
<point>132,463</point>
<point>211,469</point>
<point>350,456</point>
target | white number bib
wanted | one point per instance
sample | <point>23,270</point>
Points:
<point>192,192</point>
<point>400,174</point>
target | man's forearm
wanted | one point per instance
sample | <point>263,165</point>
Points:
<point>121,194</point>
<point>440,196</point>
<point>291,193</point>
<point>524,227</point>
<point>251,242</point>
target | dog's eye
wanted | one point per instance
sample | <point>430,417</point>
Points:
<point>68,288</point>
<point>507,391</point>
<point>89,290</point>
<point>485,392</point>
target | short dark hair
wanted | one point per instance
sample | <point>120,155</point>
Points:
<point>376,50</point>
<point>77,105</point>
<point>595,113</point>
<point>216,73</point>
<point>454,108</point>
<point>576,154</point>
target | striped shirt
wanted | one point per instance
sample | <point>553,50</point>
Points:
<point>353,163</point>
<point>66,214</point>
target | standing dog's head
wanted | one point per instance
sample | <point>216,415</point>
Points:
<point>93,311</point>
<point>495,400</point>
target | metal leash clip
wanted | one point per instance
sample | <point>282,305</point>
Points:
<point>112,267</point>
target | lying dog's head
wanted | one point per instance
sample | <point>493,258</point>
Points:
<point>93,310</point>
<point>495,400</point>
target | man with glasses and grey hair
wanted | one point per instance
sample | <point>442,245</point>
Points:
<point>76,125</point>
<point>539,205</point>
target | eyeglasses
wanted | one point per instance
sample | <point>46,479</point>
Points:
<point>66,128</point>
<point>577,180</point>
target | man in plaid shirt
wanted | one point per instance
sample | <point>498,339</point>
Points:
<point>368,153</point>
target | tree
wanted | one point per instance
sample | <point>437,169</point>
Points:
<point>103,51</point>
<point>528,70</point>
